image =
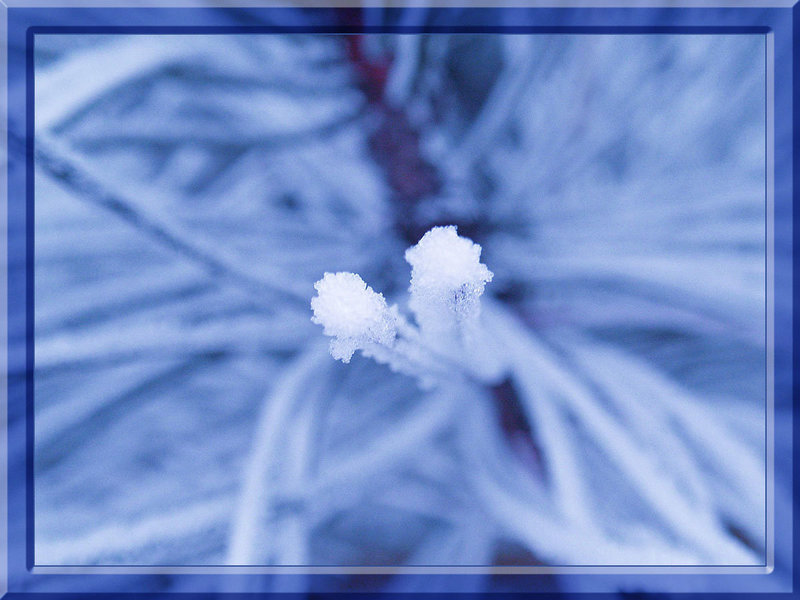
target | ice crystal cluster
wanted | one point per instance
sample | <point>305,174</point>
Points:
<point>447,281</point>
<point>352,313</point>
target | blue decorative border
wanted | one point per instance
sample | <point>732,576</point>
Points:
<point>24,23</point>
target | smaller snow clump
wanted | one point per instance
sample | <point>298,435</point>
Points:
<point>352,313</point>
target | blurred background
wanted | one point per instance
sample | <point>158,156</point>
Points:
<point>190,189</point>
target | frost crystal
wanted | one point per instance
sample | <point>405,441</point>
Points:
<point>447,280</point>
<point>352,313</point>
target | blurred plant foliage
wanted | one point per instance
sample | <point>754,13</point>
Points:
<point>191,189</point>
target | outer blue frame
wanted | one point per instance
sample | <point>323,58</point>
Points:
<point>24,22</point>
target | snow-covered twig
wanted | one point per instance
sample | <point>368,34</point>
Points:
<point>506,92</point>
<point>256,495</point>
<point>672,507</point>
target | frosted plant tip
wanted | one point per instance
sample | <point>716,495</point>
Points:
<point>351,313</point>
<point>444,263</point>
